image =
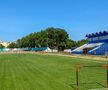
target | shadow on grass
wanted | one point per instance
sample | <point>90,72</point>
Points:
<point>73,86</point>
<point>100,84</point>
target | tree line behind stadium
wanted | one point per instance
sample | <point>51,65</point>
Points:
<point>54,38</point>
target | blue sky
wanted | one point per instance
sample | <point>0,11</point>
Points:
<point>78,17</point>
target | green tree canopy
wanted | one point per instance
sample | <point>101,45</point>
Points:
<point>12,45</point>
<point>81,42</point>
<point>51,37</point>
<point>55,38</point>
<point>2,46</point>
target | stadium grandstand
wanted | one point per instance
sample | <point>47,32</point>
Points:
<point>97,44</point>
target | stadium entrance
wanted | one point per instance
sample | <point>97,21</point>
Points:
<point>85,51</point>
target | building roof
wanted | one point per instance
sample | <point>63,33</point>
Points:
<point>40,49</point>
<point>97,34</point>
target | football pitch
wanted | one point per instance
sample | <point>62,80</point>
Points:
<point>47,72</point>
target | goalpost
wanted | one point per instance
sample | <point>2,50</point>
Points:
<point>93,77</point>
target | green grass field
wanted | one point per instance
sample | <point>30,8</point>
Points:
<point>45,72</point>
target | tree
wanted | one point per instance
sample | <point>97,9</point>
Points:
<point>55,38</point>
<point>2,46</point>
<point>70,44</point>
<point>12,45</point>
<point>81,42</point>
<point>50,37</point>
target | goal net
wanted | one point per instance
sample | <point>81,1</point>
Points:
<point>92,77</point>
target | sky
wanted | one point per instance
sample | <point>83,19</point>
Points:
<point>19,18</point>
